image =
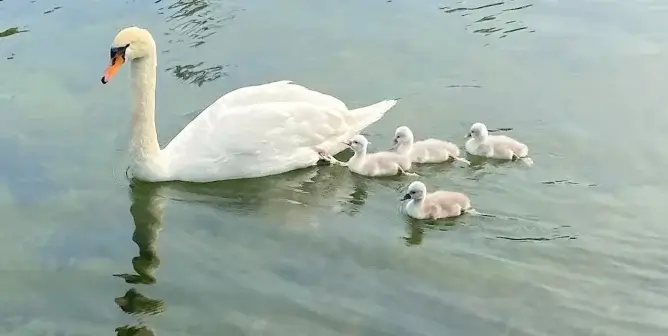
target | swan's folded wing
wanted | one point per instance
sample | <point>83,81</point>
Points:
<point>443,200</point>
<point>254,140</point>
<point>504,143</point>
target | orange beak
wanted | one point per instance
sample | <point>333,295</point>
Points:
<point>115,64</point>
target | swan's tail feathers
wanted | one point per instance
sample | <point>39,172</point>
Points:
<point>367,115</point>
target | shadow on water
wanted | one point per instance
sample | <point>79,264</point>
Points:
<point>490,16</point>
<point>194,21</point>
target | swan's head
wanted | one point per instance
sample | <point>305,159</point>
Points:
<point>416,190</point>
<point>478,130</point>
<point>403,136</point>
<point>358,143</point>
<point>129,44</point>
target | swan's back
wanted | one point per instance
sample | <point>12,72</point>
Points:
<point>441,204</point>
<point>382,164</point>
<point>280,91</point>
<point>502,143</point>
<point>433,150</point>
<point>251,141</point>
<point>389,159</point>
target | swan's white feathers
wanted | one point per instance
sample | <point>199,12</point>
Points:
<point>433,151</point>
<point>436,205</point>
<point>257,139</point>
<point>279,91</point>
<point>443,204</point>
<point>497,146</point>
<point>382,164</point>
<point>424,151</point>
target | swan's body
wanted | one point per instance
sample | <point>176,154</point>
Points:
<point>375,164</point>
<point>250,132</point>
<point>495,146</point>
<point>436,205</point>
<point>425,151</point>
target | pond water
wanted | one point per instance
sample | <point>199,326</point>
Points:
<point>576,244</point>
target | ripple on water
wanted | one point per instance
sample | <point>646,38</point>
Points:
<point>491,20</point>
<point>193,23</point>
<point>11,32</point>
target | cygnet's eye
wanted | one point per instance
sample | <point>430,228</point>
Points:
<point>412,192</point>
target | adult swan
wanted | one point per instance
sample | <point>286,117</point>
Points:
<point>249,132</point>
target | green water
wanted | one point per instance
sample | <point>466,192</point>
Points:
<point>320,251</point>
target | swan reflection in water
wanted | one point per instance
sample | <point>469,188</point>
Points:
<point>294,198</point>
<point>147,211</point>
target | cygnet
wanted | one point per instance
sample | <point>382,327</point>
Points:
<point>425,151</point>
<point>436,205</point>
<point>375,164</point>
<point>495,146</point>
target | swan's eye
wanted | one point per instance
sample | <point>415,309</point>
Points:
<point>115,52</point>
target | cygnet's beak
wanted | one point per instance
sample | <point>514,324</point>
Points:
<point>406,197</point>
<point>347,143</point>
<point>117,56</point>
<point>468,135</point>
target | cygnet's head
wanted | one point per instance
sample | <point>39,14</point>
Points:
<point>478,130</point>
<point>358,143</point>
<point>403,136</point>
<point>416,190</point>
<point>129,44</point>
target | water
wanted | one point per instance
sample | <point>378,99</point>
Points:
<point>576,247</point>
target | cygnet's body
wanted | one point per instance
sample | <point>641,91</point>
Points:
<point>425,151</point>
<point>375,164</point>
<point>495,146</point>
<point>436,205</point>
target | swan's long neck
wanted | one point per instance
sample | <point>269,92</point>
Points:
<point>144,144</point>
<point>358,157</point>
<point>405,148</point>
<point>145,152</point>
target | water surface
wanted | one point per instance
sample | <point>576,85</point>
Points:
<point>576,246</point>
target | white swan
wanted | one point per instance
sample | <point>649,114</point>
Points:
<point>495,146</point>
<point>425,151</point>
<point>437,205</point>
<point>375,164</point>
<point>249,132</point>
